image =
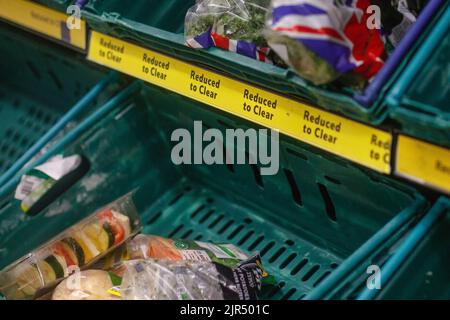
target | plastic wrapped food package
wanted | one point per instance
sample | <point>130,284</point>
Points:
<point>330,40</point>
<point>323,41</point>
<point>336,35</point>
<point>185,269</point>
<point>77,247</point>
<point>152,279</point>
<point>233,25</point>
<point>38,182</point>
<point>156,247</point>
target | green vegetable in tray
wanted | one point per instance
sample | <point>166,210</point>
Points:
<point>234,19</point>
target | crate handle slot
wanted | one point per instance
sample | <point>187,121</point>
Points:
<point>329,206</point>
<point>294,187</point>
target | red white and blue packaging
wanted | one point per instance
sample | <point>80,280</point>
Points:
<point>336,31</point>
<point>211,39</point>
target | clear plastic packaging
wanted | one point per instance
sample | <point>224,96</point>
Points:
<point>155,247</point>
<point>233,25</point>
<point>159,248</point>
<point>77,247</point>
<point>152,279</point>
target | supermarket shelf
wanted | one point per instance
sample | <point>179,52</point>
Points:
<point>160,24</point>
<point>44,21</point>
<point>305,220</point>
<point>349,139</point>
<point>423,163</point>
<point>380,150</point>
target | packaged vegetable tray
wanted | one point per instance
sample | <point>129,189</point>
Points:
<point>75,248</point>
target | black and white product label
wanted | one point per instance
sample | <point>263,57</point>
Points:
<point>238,283</point>
<point>195,255</point>
<point>26,186</point>
<point>55,168</point>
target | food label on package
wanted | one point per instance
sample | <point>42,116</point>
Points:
<point>424,163</point>
<point>223,251</point>
<point>116,281</point>
<point>43,20</point>
<point>349,139</point>
<point>26,186</point>
<point>195,255</point>
<point>39,180</point>
<point>58,166</point>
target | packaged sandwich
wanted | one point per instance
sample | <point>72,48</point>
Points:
<point>74,249</point>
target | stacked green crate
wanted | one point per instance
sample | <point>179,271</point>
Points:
<point>420,99</point>
<point>305,220</point>
<point>159,25</point>
<point>43,82</point>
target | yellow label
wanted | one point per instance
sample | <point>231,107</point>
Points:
<point>423,162</point>
<point>349,139</point>
<point>114,291</point>
<point>43,20</point>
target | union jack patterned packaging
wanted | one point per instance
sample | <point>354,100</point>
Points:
<point>325,40</point>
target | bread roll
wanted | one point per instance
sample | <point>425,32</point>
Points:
<point>85,285</point>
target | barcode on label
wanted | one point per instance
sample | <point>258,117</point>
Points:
<point>26,186</point>
<point>223,251</point>
<point>195,255</point>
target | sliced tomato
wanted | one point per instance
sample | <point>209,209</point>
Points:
<point>119,232</point>
<point>116,227</point>
<point>61,251</point>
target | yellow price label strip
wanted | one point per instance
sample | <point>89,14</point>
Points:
<point>349,139</point>
<point>43,20</point>
<point>423,162</point>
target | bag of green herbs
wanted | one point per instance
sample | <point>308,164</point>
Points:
<point>233,25</point>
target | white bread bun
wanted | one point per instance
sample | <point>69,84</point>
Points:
<point>85,285</point>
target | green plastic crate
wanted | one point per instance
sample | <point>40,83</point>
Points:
<point>420,267</point>
<point>305,221</point>
<point>414,266</point>
<point>420,99</point>
<point>159,25</point>
<point>43,82</point>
